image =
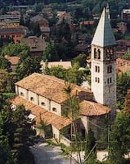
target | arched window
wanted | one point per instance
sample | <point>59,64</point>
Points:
<point>95,53</point>
<point>99,54</point>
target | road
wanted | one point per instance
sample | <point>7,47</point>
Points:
<point>45,154</point>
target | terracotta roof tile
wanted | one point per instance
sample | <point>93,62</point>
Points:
<point>50,118</point>
<point>50,87</point>
<point>122,65</point>
<point>93,109</point>
<point>13,59</point>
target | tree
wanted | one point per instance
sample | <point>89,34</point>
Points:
<point>15,50</point>
<point>127,55</point>
<point>90,148</point>
<point>4,63</point>
<point>27,66</point>
<point>50,53</point>
<point>123,84</point>
<point>17,127</point>
<point>119,139</point>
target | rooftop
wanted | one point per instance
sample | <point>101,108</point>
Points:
<point>51,87</point>
<point>13,59</point>
<point>50,118</point>
<point>104,35</point>
<point>93,109</point>
<point>64,64</point>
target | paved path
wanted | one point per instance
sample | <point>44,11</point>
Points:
<point>45,154</point>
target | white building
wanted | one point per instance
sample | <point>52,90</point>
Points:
<point>103,63</point>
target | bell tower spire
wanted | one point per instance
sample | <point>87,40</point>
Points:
<point>103,65</point>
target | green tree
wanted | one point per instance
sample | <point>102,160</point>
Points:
<point>4,63</point>
<point>90,148</point>
<point>50,53</point>
<point>127,55</point>
<point>14,49</point>
<point>119,139</point>
<point>123,84</point>
<point>27,66</point>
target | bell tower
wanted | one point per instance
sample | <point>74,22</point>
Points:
<point>103,63</point>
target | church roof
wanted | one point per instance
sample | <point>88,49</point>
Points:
<point>51,87</point>
<point>104,35</point>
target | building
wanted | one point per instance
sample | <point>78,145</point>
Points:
<point>63,64</point>
<point>14,33</point>
<point>36,44</point>
<point>14,60</point>
<point>9,20</point>
<point>125,14</point>
<point>122,65</point>
<point>103,63</point>
<point>122,27</point>
<point>44,95</point>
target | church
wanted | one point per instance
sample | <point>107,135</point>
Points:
<point>44,95</point>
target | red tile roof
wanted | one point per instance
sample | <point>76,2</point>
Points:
<point>50,118</point>
<point>13,59</point>
<point>51,87</point>
<point>93,109</point>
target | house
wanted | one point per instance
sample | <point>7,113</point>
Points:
<point>122,27</point>
<point>125,14</point>
<point>43,23</point>
<point>122,65</point>
<point>63,64</point>
<point>36,44</point>
<point>122,47</point>
<point>44,95</point>
<point>14,33</point>
<point>14,60</point>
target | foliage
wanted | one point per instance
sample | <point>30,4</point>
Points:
<point>90,151</point>
<point>80,60</point>
<point>123,84</point>
<point>50,53</point>
<point>27,66</point>
<point>14,50</point>
<point>127,55</point>
<point>4,63</point>
<point>119,139</point>
<point>16,135</point>
<point>7,81</point>
<point>59,72</point>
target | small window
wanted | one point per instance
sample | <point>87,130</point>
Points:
<point>109,69</point>
<point>98,69</point>
<point>21,94</point>
<point>99,54</point>
<point>31,98</point>
<point>98,80</point>
<point>95,79</point>
<point>54,109</point>
<point>95,53</point>
<point>108,81</point>
<point>42,103</point>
